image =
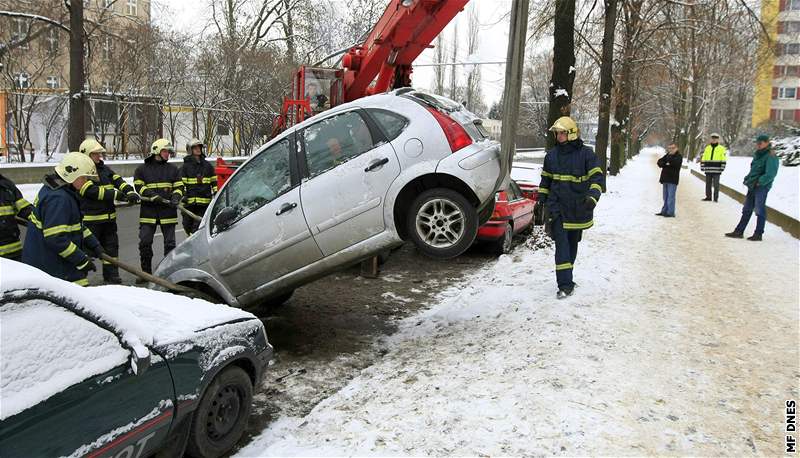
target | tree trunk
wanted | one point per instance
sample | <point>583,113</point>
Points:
<point>77,102</point>
<point>439,69</point>
<point>453,70</point>
<point>620,131</point>
<point>563,64</point>
<point>606,83</point>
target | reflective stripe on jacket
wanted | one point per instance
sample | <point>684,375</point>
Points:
<point>571,173</point>
<point>12,205</point>
<point>199,180</point>
<point>97,203</point>
<point>56,239</point>
<point>157,178</point>
<point>714,159</point>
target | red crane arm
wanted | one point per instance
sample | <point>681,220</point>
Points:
<point>406,28</point>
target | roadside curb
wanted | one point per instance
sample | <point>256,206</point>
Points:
<point>782,220</point>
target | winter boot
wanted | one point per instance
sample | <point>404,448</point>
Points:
<point>111,275</point>
<point>735,235</point>
<point>755,238</point>
<point>147,266</point>
<point>565,292</point>
<point>706,199</point>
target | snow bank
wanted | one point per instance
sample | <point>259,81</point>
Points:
<point>783,196</point>
<point>649,357</point>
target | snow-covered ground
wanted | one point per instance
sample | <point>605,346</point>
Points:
<point>678,341</point>
<point>783,196</point>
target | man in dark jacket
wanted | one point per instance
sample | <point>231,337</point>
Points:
<point>763,169</point>
<point>12,206</point>
<point>670,165</point>
<point>572,182</point>
<point>159,183</point>
<point>97,205</point>
<point>200,184</point>
<point>57,242</point>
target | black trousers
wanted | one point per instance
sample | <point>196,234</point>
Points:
<point>146,234</point>
<point>712,181</point>
<point>190,224</point>
<point>106,234</point>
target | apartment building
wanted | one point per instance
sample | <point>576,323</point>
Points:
<point>777,86</point>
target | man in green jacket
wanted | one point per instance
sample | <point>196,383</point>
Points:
<point>763,169</point>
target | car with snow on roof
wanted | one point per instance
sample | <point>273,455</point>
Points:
<point>117,371</point>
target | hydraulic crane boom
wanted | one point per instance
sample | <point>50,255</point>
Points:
<point>406,28</point>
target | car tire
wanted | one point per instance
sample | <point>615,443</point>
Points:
<point>442,223</point>
<point>221,416</point>
<point>503,244</point>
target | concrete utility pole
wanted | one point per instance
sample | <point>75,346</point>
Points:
<point>515,59</point>
<point>77,102</point>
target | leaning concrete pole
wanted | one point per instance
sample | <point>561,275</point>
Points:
<point>77,102</point>
<point>515,58</point>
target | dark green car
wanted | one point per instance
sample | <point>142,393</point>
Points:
<point>116,371</point>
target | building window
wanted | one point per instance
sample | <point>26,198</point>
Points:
<point>52,42</point>
<point>107,87</point>
<point>108,4</point>
<point>788,49</point>
<point>52,82</point>
<point>108,45</point>
<point>22,80</point>
<point>787,92</point>
<point>792,5</point>
<point>132,8</point>
<point>19,31</point>
<point>789,27</point>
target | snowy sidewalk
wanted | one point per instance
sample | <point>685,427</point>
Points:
<point>677,341</point>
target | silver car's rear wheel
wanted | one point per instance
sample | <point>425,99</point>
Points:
<point>442,223</point>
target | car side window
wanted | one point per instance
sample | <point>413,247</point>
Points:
<point>47,349</point>
<point>515,193</point>
<point>260,181</point>
<point>335,140</point>
<point>392,123</point>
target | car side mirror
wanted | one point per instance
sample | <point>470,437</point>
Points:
<point>139,363</point>
<point>224,217</point>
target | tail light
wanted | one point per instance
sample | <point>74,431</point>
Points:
<point>457,137</point>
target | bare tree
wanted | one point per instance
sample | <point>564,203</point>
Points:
<point>563,75</point>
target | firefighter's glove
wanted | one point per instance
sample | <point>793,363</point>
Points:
<point>590,203</point>
<point>88,267</point>
<point>133,198</point>
<point>97,252</point>
<point>160,200</point>
<point>175,200</point>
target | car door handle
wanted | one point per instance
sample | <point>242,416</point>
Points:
<point>376,163</point>
<point>285,208</point>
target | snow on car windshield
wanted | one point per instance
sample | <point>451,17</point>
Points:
<point>47,349</point>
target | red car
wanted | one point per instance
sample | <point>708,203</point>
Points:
<point>513,213</point>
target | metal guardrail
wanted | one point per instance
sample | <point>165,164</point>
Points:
<point>782,220</point>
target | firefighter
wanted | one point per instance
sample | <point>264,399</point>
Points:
<point>57,241</point>
<point>199,181</point>
<point>97,205</point>
<point>571,185</point>
<point>159,183</point>
<point>12,206</point>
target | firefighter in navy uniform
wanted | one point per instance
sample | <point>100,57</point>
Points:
<point>572,182</point>
<point>57,242</point>
<point>159,184</point>
<point>200,184</point>
<point>12,206</point>
<point>99,210</point>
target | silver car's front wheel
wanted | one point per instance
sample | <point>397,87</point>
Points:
<point>442,223</point>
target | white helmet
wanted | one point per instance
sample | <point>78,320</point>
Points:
<point>90,145</point>
<point>76,165</point>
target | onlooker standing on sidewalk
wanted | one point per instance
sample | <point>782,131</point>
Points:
<point>715,156</point>
<point>670,165</point>
<point>763,169</point>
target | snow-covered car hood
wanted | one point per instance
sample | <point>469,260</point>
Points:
<point>140,316</point>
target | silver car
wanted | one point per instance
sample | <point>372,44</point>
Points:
<point>341,187</point>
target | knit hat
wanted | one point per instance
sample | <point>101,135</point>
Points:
<point>762,138</point>
<point>714,135</point>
